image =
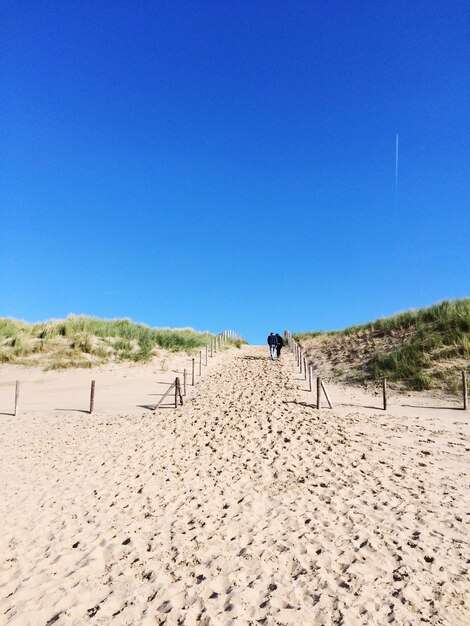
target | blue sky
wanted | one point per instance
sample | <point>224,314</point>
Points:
<point>232,164</point>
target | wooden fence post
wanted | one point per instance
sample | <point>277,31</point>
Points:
<point>305,368</point>
<point>212,347</point>
<point>318,391</point>
<point>326,394</point>
<point>17,396</point>
<point>464,390</point>
<point>178,395</point>
<point>192,376</point>
<point>92,397</point>
<point>170,388</point>
<point>200,362</point>
<point>300,361</point>
<point>206,356</point>
<point>384,392</point>
<point>310,378</point>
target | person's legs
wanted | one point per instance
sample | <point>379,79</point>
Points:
<point>273,352</point>
<point>278,350</point>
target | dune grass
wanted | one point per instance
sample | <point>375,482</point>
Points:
<point>81,341</point>
<point>433,335</point>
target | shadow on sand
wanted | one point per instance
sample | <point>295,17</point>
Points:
<point>446,408</point>
<point>151,407</point>
<point>360,406</point>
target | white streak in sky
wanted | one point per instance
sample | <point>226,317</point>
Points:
<point>396,166</point>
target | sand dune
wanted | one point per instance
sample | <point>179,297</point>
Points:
<point>244,506</point>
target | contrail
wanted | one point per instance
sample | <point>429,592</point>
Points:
<point>396,167</point>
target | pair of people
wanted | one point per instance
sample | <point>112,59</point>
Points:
<point>275,344</point>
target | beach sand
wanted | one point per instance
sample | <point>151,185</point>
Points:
<point>244,506</point>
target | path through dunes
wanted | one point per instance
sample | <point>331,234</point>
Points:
<point>245,506</point>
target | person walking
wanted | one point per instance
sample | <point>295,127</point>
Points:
<point>272,343</point>
<point>279,344</point>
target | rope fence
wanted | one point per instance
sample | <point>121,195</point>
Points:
<point>307,369</point>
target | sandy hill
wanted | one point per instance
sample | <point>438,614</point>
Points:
<point>81,341</point>
<point>419,349</point>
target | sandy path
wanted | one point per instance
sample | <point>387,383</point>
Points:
<point>245,506</point>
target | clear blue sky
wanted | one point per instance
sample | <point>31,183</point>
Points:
<point>232,164</point>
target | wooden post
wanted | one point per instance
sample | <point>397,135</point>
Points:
<point>184,382</point>
<point>384,392</point>
<point>212,347</point>
<point>464,390</point>
<point>17,396</point>
<point>178,396</point>
<point>326,394</point>
<point>300,361</point>
<point>92,397</point>
<point>305,368</point>
<point>192,376</point>
<point>310,378</point>
<point>318,391</point>
<point>170,388</point>
<point>206,356</point>
<point>200,362</point>
<point>178,386</point>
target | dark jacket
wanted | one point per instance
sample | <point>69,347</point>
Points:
<point>272,340</point>
<point>280,341</point>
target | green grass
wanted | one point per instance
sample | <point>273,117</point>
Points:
<point>81,341</point>
<point>433,335</point>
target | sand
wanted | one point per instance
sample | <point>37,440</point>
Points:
<point>244,506</point>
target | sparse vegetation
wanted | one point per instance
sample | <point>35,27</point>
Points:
<point>81,341</point>
<point>237,343</point>
<point>420,349</point>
